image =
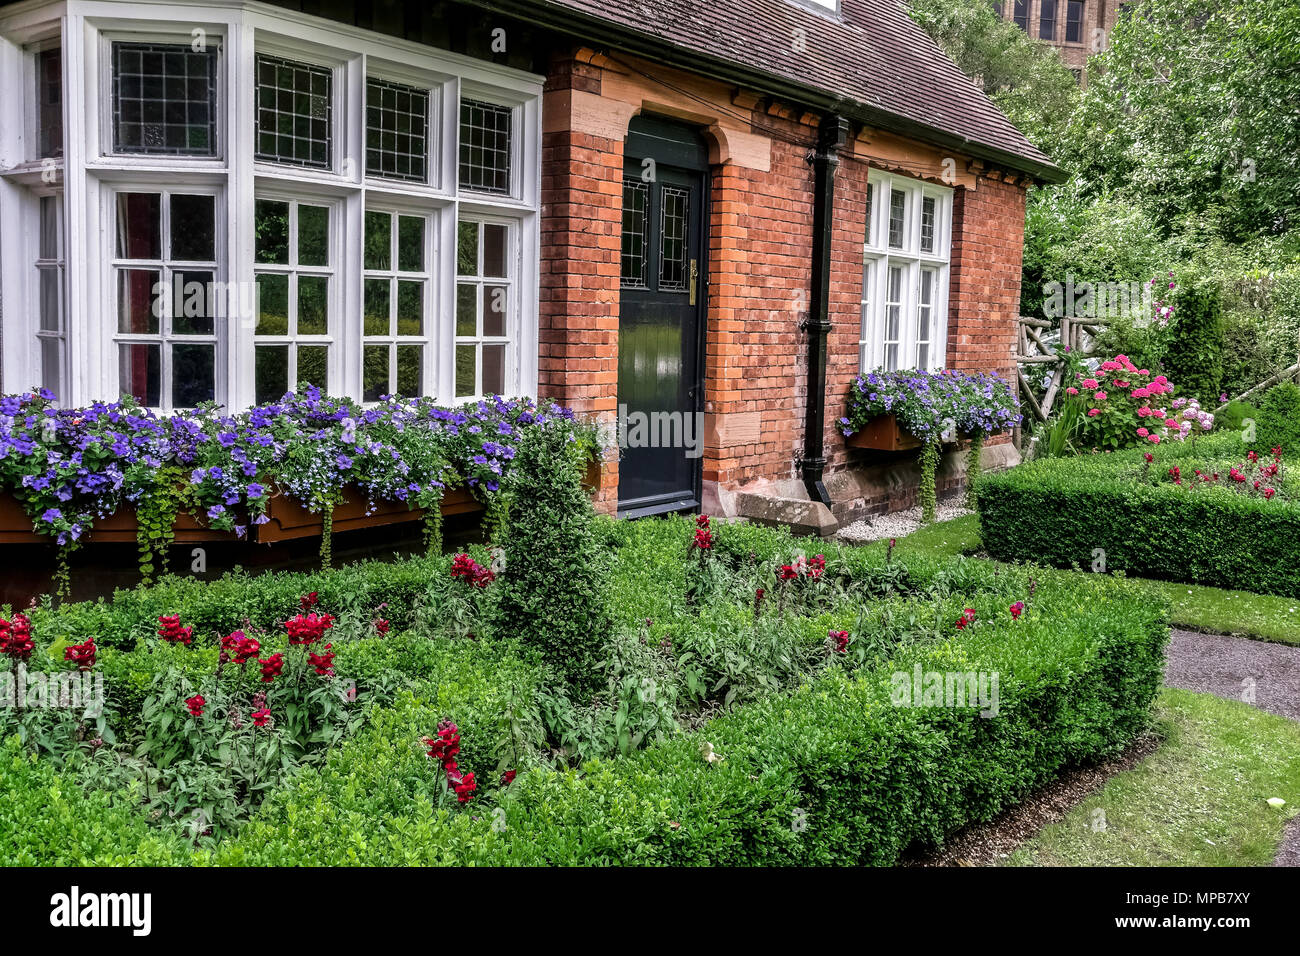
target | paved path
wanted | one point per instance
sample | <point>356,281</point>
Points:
<point>1229,667</point>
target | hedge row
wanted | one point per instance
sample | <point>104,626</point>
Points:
<point>1062,511</point>
<point>832,774</point>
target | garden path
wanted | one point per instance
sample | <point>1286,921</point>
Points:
<point>1238,668</point>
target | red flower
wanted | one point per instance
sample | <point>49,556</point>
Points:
<point>1149,457</point>
<point>308,601</point>
<point>172,632</point>
<point>381,626</point>
<point>1277,451</point>
<point>242,649</point>
<point>16,638</point>
<point>470,571</point>
<point>841,639</point>
<point>967,617</point>
<point>271,666</point>
<point>701,521</point>
<point>308,628</point>
<point>507,778</point>
<point>787,572</point>
<point>703,538</point>
<point>816,565</point>
<point>1017,609</point>
<point>83,655</point>
<point>261,717</point>
<point>1269,492</point>
<point>324,663</point>
<point>195,704</point>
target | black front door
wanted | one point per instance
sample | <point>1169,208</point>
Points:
<point>660,376</point>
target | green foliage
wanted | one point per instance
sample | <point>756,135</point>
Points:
<point>1193,360</point>
<point>831,774</point>
<point>551,594</point>
<point>1279,418</point>
<point>1072,512</point>
<point>1025,78</point>
<point>929,465</point>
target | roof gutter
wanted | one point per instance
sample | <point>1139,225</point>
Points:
<point>593,28</point>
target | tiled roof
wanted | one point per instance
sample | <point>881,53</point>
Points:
<point>871,54</point>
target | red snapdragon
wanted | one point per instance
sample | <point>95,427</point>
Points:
<point>840,639</point>
<point>16,638</point>
<point>170,630</point>
<point>471,572</point>
<point>308,628</point>
<point>324,663</point>
<point>261,717</point>
<point>195,705</point>
<point>1017,609</point>
<point>272,666</point>
<point>83,655</point>
<point>967,617</point>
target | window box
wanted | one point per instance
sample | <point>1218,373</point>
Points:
<point>883,434</point>
<point>288,520</point>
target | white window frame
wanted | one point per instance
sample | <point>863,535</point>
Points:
<point>85,28</point>
<point>879,258</point>
<point>511,338</point>
<point>166,266</point>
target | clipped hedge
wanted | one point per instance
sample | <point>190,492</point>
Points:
<point>1060,511</point>
<point>832,774</point>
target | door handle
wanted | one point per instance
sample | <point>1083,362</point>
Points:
<point>695,275</point>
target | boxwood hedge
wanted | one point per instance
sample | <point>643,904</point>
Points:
<point>1072,512</point>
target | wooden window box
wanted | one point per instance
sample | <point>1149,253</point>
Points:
<point>883,433</point>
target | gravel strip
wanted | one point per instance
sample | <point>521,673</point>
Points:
<point>988,844</point>
<point>896,524</point>
<point>1233,667</point>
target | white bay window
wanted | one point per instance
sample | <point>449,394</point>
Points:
<point>905,274</point>
<point>220,202</point>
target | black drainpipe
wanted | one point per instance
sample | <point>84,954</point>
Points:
<point>832,134</point>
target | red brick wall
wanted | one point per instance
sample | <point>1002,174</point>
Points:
<point>760,237</point>
<point>984,292</point>
<point>581,219</point>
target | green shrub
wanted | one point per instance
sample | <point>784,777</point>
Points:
<point>50,819</point>
<point>1194,358</point>
<point>1073,512</point>
<point>551,594</point>
<point>1278,423</point>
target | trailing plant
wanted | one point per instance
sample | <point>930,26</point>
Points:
<point>927,491</point>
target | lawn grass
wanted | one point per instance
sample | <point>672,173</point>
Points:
<point>1193,606</point>
<point>1200,800</point>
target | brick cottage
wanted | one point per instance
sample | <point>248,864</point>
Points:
<point>696,220</point>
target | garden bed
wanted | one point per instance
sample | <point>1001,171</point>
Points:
<point>764,740</point>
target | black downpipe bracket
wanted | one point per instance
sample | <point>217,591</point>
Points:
<point>832,134</point>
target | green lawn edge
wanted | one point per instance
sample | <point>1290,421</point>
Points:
<point>1200,800</point>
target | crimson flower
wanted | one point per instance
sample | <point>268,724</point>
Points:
<point>308,601</point>
<point>271,666</point>
<point>470,571</point>
<point>324,663</point>
<point>83,655</point>
<point>841,639</point>
<point>308,628</point>
<point>16,638</point>
<point>172,632</point>
<point>195,704</point>
<point>381,626</point>
<point>1149,457</point>
<point>967,617</point>
<point>1017,609</point>
<point>703,538</point>
<point>507,778</point>
<point>261,717</point>
<point>463,785</point>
